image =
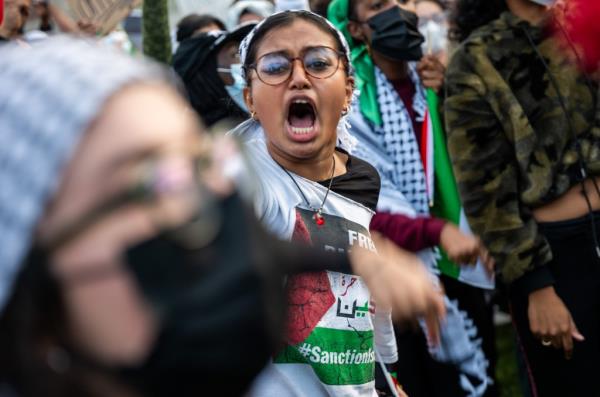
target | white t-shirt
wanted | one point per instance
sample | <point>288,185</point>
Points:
<point>330,339</point>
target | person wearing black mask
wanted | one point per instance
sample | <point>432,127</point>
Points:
<point>210,70</point>
<point>392,75</point>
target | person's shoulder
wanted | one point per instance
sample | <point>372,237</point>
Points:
<point>361,183</point>
<point>364,167</point>
<point>467,54</point>
<point>357,162</point>
<point>482,42</point>
<point>474,55</point>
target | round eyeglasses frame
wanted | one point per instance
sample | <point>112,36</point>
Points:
<point>292,60</point>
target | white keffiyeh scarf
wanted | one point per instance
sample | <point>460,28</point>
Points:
<point>399,140</point>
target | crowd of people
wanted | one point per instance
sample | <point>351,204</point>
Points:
<point>315,198</point>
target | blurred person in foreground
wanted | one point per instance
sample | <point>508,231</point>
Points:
<point>210,69</point>
<point>523,126</point>
<point>194,24</point>
<point>311,190</point>
<point>75,317</point>
<point>157,279</point>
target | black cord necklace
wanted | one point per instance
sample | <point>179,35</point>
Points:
<point>318,212</point>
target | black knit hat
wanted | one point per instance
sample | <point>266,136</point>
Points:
<point>195,62</point>
<point>192,53</point>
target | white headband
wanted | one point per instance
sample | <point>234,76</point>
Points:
<point>245,44</point>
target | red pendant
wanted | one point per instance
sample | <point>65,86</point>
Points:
<point>319,220</point>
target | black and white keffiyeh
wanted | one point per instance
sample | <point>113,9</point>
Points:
<point>399,139</point>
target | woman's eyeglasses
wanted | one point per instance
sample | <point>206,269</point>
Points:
<point>276,67</point>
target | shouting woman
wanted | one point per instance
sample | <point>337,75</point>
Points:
<point>299,85</point>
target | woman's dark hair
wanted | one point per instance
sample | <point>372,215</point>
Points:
<point>32,324</point>
<point>352,14</point>
<point>320,7</point>
<point>469,15</point>
<point>285,19</point>
<point>191,23</point>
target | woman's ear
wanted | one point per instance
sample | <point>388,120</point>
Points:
<point>350,83</point>
<point>248,99</point>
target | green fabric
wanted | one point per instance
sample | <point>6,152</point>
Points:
<point>446,201</point>
<point>337,13</point>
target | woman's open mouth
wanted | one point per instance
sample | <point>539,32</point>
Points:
<point>301,120</point>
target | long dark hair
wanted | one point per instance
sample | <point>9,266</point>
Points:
<point>285,19</point>
<point>469,15</point>
<point>33,326</point>
<point>31,320</point>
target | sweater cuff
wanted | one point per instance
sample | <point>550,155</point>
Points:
<point>538,278</point>
<point>434,230</point>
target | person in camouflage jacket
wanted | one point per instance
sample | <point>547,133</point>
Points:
<point>523,128</point>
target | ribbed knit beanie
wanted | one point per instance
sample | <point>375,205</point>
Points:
<point>50,93</point>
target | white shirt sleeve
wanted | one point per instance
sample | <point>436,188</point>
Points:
<point>385,338</point>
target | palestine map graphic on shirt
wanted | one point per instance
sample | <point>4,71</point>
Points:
<point>329,325</point>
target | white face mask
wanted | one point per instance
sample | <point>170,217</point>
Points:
<point>436,37</point>
<point>236,90</point>
<point>547,3</point>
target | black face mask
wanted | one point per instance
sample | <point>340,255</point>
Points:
<point>396,35</point>
<point>216,329</point>
<point>201,279</point>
